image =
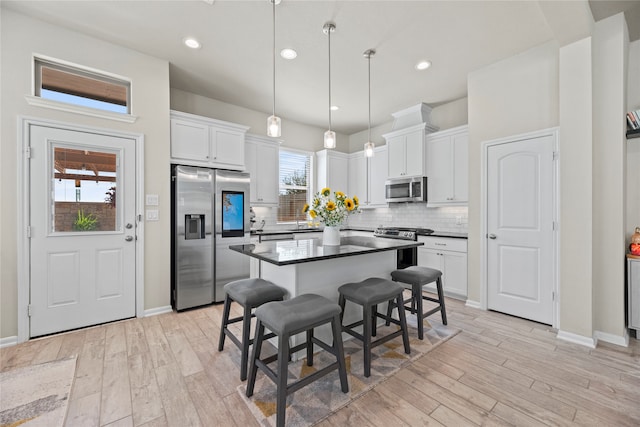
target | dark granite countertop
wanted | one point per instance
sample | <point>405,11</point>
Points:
<point>285,252</point>
<point>316,230</point>
<point>445,234</point>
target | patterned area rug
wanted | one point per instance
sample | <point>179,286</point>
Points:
<point>321,398</point>
<point>36,395</point>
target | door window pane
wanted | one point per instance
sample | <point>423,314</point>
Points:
<point>84,190</point>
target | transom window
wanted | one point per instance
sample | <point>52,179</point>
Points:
<point>73,85</point>
<point>295,184</point>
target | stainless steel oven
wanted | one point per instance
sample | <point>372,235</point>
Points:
<point>406,257</point>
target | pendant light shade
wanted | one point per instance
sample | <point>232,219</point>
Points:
<point>273,122</point>
<point>369,146</point>
<point>329,136</point>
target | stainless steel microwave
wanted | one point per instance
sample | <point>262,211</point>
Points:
<point>406,189</point>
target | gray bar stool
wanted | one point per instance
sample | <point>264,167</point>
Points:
<point>249,293</point>
<point>369,293</point>
<point>417,277</point>
<point>288,318</point>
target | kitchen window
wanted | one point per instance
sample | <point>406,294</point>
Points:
<point>294,184</point>
<point>73,88</point>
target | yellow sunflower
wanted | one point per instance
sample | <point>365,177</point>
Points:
<point>312,213</point>
<point>325,191</point>
<point>316,203</point>
<point>305,208</point>
<point>348,203</point>
<point>340,195</point>
<point>331,205</point>
<point>355,200</point>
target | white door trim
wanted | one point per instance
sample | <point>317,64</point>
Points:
<point>554,133</point>
<point>23,210</point>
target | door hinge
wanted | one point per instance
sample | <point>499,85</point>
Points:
<point>28,231</point>
<point>29,311</point>
<point>554,225</point>
<point>27,152</point>
<point>553,296</point>
<point>555,155</point>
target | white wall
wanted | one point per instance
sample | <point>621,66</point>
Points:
<point>576,189</point>
<point>20,38</point>
<point>610,50</point>
<point>513,96</point>
<point>294,134</point>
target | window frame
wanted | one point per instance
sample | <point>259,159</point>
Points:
<point>36,100</point>
<point>310,178</point>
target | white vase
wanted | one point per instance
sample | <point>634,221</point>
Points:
<point>331,236</point>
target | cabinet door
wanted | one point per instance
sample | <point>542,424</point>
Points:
<point>429,258</point>
<point>461,167</point>
<point>414,153</point>
<point>267,164</point>
<point>378,165</point>
<point>454,278</point>
<point>251,166</point>
<point>338,173</point>
<point>358,178</point>
<point>189,140</point>
<point>228,148</point>
<point>439,170</point>
<point>396,156</point>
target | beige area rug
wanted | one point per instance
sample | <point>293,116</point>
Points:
<point>36,395</point>
<point>321,398</point>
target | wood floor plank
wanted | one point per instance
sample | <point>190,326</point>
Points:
<point>90,364</point>
<point>123,422</point>
<point>241,415</point>
<point>183,353</point>
<point>208,402</point>
<point>449,417</point>
<point>116,340</point>
<point>135,338</point>
<point>47,352</point>
<point>116,389</point>
<point>515,417</point>
<point>72,343</point>
<point>84,411</point>
<point>422,401</point>
<point>158,422</point>
<point>156,340</point>
<point>178,406</point>
<point>407,410</point>
<point>377,411</point>
<point>145,394</point>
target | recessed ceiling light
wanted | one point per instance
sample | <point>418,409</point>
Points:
<point>334,108</point>
<point>192,43</point>
<point>288,53</point>
<point>423,65</point>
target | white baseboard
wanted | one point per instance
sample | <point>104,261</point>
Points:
<point>613,339</point>
<point>577,339</point>
<point>473,304</point>
<point>8,341</point>
<point>158,310</point>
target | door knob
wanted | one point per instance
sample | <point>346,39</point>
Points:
<point>492,236</point>
<point>128,238</point>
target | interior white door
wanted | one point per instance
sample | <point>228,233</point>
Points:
<point>82,228</point>
<point>520,228</point>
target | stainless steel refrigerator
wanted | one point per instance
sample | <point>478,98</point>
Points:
<point>210,211</point>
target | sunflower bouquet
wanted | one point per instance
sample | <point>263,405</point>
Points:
<point>331,209</point>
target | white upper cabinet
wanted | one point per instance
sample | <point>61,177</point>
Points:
<point>406,151</point>
<point>332,170</point>
<point>201,141</point>
<point>262,161</point>
<point>367,176</point>
<point>447,154</point>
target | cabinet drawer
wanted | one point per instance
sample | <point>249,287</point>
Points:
<point>444,243</point>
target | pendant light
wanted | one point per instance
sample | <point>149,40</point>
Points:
<point>329,136</point>
<point>273,122</point>
<point>369,146</point>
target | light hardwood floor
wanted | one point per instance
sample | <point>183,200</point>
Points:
<point>500,370</point>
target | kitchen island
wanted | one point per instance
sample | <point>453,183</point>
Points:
<point>307,266</point>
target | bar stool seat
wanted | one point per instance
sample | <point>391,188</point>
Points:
<point>249,293</point>
<point>285,319</point>
<point>417,277</point>
<point>368,294</point>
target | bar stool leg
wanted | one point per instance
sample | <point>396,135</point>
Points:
<point>283,374</point>
<point>336,325</point>
<point>225,322</point>
<point>403,323</point>
<point>255,355</point>
<point>246,329</point>
<point>310,347</point>
<point>366,332</point>
<point>443,311</point>
<point>417,297</point>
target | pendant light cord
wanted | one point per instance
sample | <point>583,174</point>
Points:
<point>329,35</point>
<point>274,56</point>
<point>369,63</point>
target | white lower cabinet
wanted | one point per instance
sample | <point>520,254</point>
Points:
<point>633,296</point>
<point>448,255</point>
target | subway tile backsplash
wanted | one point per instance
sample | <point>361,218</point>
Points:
<point>452,219</point>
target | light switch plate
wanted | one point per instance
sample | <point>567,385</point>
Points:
<point>152,215</point>
<point>152,200</point>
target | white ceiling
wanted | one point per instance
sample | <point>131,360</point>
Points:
<point>234,64</point>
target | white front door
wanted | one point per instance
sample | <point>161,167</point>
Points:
<point>520,254</point>
<point>82,228</point>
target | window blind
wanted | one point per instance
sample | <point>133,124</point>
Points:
<point>295,179</point>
